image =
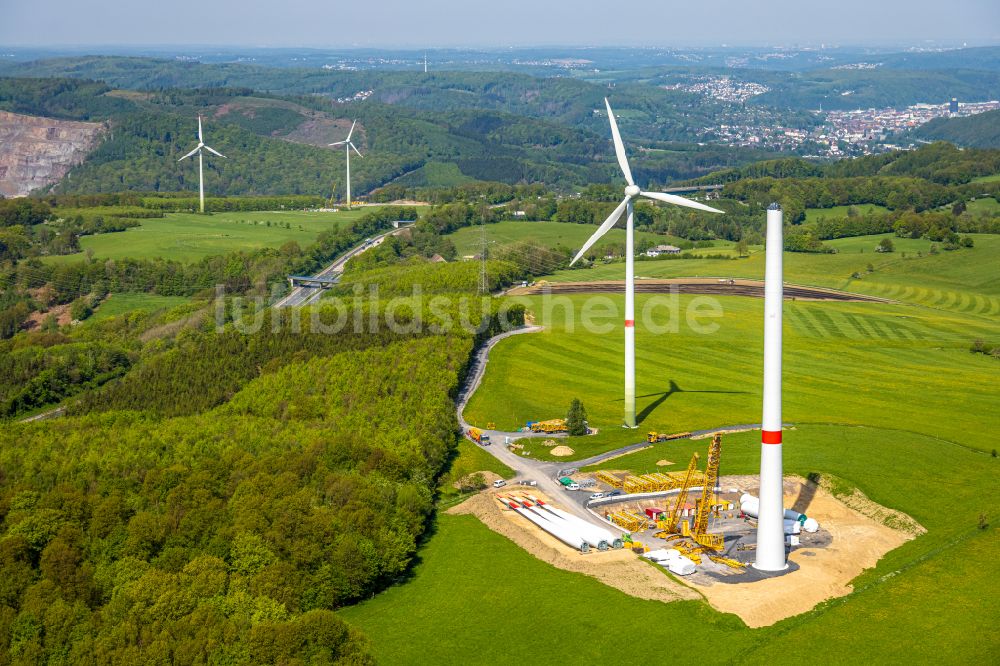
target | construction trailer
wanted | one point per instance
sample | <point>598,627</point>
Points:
<point>655,437</point>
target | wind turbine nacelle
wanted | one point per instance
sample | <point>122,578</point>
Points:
<point>632,191</point>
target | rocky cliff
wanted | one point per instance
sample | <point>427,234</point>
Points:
<point>35,151</point>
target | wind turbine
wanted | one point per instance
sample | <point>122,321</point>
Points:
<point>346,143</point>
<point>632,191</point>
<point>201,171</point>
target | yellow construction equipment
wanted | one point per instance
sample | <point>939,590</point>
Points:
<point>729,562</point>
<point>699,531</point>
<point>552,425</point>
<point>654,437</point>
<point>609,479</point>
<point>675,513</point>
<point>628,521</point>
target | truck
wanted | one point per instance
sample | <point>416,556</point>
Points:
<point>479,437</point>
<point>569,484</point>
<point>654,437</point>
<point>550,426</point>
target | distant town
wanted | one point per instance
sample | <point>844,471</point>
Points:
<point>839,133</point>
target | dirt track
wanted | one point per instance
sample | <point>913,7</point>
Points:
<point>709,286</point>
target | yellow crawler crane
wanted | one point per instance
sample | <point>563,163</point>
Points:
<point>609,479</point>
<point>699,531</point>
<point>675,513</point>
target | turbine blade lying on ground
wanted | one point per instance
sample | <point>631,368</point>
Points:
<point>193,152</point>
<point>679,201</point>
<point>603,229</point>
<point>619,146</point>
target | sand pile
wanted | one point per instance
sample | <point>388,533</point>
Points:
<point>562,451</point>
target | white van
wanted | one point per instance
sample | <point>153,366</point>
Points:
<point>499,483</point>
<point>572,486</point>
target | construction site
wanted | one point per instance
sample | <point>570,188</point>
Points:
<point>699,527</point>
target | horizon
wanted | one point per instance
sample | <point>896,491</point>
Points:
<point>447,24</point>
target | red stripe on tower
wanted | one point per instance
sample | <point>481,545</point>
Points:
<point>771,436</point>
<point>629,323</point>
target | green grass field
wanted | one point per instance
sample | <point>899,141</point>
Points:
<point>118,304</point>
<point>844,363</point>
<point>468,240</point>
<point>987,179</point>
<point>958,281</point>
<point>492,596</point>
<point>817,214</point>
<point>189,236</point>
<point>983,205</point>
<point>885,398</point>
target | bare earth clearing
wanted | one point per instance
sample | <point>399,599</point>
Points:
<point>859,529</point>
<point>620,569</point>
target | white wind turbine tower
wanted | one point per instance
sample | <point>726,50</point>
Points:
<point>201,170</point>
<point>632,191</point>
<point>348,146</point>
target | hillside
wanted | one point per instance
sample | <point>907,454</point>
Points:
<point>979,131</point>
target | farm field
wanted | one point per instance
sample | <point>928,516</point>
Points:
<point>817,214</point>
<point>468,240</point>
<point>844,363</point>
<point>984,205</point>
<point>190,237</point>
<point>118,304</point>
<point>959,281</point>
<point>942,486</point>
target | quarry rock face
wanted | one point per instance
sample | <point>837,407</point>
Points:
<point>37,151</point>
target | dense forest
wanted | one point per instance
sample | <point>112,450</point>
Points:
<point>978,131</point>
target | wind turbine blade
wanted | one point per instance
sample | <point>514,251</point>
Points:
<point>337,143</point>
<point>349,134</point>
<point>213,151</point>
<point>356,150</point>
<point>679,201</point>
<point>603,229</point>
<point>200,139</point>
<point>619,146</point>
<point>192,153</point>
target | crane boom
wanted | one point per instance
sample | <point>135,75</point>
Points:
<point>675,514</point>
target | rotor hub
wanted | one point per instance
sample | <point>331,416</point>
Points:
<point>632,191</point>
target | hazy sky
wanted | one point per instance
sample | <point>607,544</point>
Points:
<point>430,23</point>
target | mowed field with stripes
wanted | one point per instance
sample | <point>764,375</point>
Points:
<point>964,281</point>
<point>904,365</point>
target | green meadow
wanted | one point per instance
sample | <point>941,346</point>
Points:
<point>884,398</point>
<point>468,240</point>
<point>963,281</point>
<point>190,236</point>
<point>118,304</point>
<point>844,363</point>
